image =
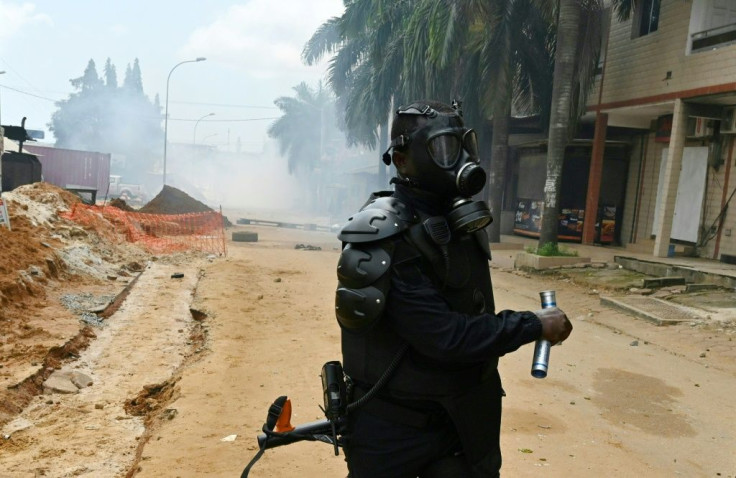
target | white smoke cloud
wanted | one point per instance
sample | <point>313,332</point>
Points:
<point>16,16</point>
<point>260,37</point>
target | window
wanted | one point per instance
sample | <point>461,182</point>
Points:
<point>646,20</point>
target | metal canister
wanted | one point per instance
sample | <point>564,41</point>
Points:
<point>541,348</point>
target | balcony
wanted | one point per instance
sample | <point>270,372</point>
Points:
<point>713,38</point>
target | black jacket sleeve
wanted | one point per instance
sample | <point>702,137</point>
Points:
<point>418,313</point>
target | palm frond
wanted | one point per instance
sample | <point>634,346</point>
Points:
<point>326,40</point>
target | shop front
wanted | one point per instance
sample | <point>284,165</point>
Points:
<point>530,174</point>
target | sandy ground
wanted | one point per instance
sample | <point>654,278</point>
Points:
<point>188,362</point>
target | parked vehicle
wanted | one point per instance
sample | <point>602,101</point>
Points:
<point>124,191</point>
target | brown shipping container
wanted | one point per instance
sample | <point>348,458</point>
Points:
<point>73,168</point>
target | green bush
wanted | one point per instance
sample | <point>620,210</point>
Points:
<point>551,249</point>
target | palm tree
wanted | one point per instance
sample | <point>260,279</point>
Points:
<point>578,40</point>
<point>502,55</point>
<point>520,77</point>
<point>559,129</point>
<point>365,71</point>
<point>303,132</point>
<point>300,130</point>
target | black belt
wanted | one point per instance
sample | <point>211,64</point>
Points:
<point>401,413</point>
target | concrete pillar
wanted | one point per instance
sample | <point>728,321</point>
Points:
<point>671,178</point>
<point>594,177</point>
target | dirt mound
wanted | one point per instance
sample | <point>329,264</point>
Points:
<point>120,204</point>
<point>173,201</point>
<point>40,202</point>
<point>27,258</point>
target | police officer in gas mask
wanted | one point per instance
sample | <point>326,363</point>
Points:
<point>421,336</point>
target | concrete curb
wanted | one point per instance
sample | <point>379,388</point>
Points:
<point>638,312</point>
<point>533,261</point>
<point>690,274</point>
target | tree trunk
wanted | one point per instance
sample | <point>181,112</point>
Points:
<point>559,129</point>
<point>499,159</point>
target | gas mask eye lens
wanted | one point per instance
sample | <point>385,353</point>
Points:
<point>444,150</point>
<point>470,142</point>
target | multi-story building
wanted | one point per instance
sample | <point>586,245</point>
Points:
<point>669,77</point>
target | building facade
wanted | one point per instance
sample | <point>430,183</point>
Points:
<point>669,75</point>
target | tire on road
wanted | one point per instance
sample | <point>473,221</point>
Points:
<point>245,236</point>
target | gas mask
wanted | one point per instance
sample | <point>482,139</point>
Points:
<point>445,160</point>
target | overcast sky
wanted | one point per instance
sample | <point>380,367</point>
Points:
<point>252,48</point>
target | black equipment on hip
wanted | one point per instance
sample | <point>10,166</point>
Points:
<point>336,388</point>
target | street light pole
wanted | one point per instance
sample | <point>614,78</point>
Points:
<point>208,136</point>
<point>166,117</point>
<point>194,139</point>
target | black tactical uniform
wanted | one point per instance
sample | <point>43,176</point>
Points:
<point>416,308</point>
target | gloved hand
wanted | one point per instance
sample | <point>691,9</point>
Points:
<point>555,325</point>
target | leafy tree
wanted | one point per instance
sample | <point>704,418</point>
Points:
<point>76,124</point>
<point>101,116</point>
<point>111,75</point>
<point>133,81</point>
<point>90,81</point>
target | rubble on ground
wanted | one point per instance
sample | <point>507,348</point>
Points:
<point>56,275</point>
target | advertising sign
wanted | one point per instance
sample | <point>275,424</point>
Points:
<point>528,222</point>
<point>606,224</point>
<point>528,219</point>
<point>570,227</point>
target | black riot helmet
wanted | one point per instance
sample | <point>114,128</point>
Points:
<point>442,159</point>
<point>442,151</point>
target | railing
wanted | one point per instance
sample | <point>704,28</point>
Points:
<point>713,37</point>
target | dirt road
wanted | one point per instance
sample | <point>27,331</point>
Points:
<point>623,397</point>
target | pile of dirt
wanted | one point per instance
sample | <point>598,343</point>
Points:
<point>175,201</point>
<point>40,202</point>
<point>41,245</point>
<point>27,258</point>
<point>120,204</point>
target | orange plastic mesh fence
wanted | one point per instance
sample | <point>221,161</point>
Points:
<point>158,233</point>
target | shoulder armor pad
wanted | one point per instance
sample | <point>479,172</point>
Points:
<point>393,205</point>
<point>381,218</point>
<point>362,286</point>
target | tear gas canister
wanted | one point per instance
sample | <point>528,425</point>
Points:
<point>541,348</point>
